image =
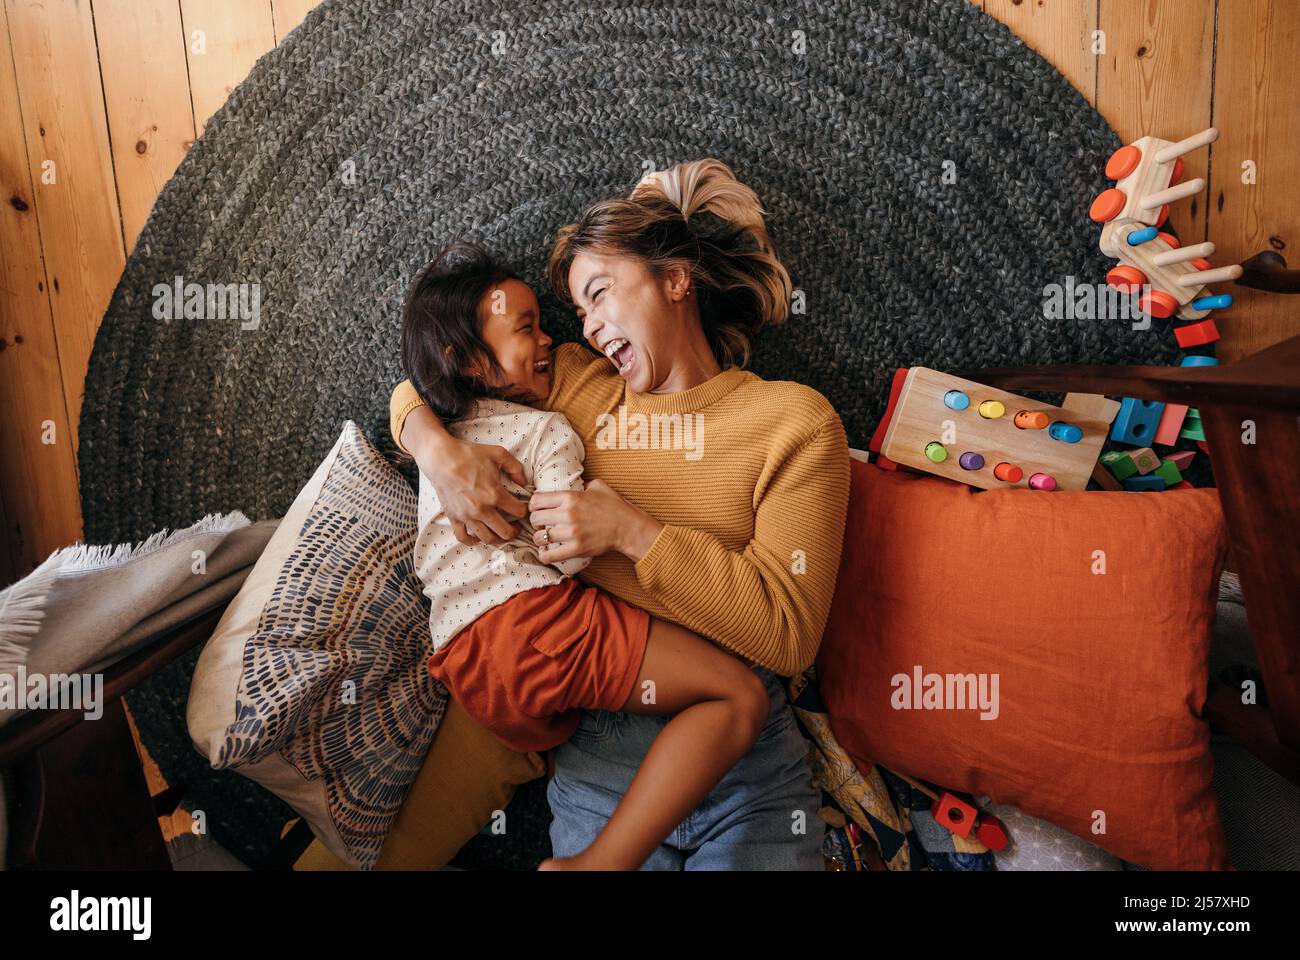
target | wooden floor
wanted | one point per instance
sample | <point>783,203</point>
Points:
<point>101,99</point>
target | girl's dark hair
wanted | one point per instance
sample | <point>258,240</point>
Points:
<point>442,333</point>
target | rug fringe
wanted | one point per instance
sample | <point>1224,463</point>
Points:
<point>81,557</point>
<point>22,605</point>
<point>22,608</point>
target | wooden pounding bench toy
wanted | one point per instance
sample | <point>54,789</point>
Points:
<point>989,438</point>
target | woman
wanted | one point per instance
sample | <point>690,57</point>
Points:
<point>713,498</point>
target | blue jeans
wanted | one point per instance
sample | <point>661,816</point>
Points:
<point>761,816</point>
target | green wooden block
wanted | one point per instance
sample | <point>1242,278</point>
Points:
<point>1192,429</point>
<point>1120,464</point>
<point>1168,471</point>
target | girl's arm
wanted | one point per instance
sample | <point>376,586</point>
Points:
<point>466,476</point>
<point>769,602</point>
<point>557,465</point>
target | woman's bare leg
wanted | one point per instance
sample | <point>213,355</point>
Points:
<point>720,706</point>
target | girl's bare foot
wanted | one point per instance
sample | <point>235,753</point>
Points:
<point>583,861</point>
<point>560,863</point>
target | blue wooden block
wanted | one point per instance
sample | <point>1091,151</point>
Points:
<point>1149,483</point>
<point>1136,421</point>
<point>1196,360</point>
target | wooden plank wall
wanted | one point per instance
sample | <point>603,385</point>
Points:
<point>101,99</point>
<point>99,102</point>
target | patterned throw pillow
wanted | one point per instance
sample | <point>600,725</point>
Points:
<point>314,683</point>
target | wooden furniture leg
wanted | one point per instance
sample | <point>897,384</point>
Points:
<point>106,822</point>
<point>1259,487</point>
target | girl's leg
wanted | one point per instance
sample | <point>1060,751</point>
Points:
<point>720,706</point>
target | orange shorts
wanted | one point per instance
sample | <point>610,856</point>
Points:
<point>524,667</point>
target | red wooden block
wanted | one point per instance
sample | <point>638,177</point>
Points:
<point>1171,421</point>
<point>1196,334</point>
<point>884,463</point>
<point>1205,447</point>
<point>1182,459</point>
<point>992,833</point>
<point>1182,485</point>
<point>955,815</point>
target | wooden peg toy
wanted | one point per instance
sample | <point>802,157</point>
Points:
<point>1148,175</point>
<point>986,444</point>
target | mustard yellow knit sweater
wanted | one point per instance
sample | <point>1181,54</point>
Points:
<point>750,478</point>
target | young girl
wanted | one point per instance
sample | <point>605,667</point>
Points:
<point>519,643</point>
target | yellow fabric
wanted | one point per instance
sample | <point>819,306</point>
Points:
<point>754,525</point>
<point>466,776</point>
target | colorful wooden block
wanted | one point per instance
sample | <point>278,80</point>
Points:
<point>1192,429</point>
<point>1105,479</point>
<point>1120,464</point>
<point>954,814</point>
<point>1136,421</point>
<point>1182,459</point>
<point>1196,334</point>
<point>1171,421</point>
<point>1168,472</point>
<point>1145,484</point>
<point>1144,459</point>
<point>1196,360</point>
<point>990,832</point>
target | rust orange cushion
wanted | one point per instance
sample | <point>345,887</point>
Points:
<point>974,642</point>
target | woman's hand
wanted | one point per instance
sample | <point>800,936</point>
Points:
<point>590,522</point>
<point>467,479</point>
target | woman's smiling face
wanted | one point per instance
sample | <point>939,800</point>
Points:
<point>629,316</point>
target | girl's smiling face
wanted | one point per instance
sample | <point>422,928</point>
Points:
<point>512,328</point>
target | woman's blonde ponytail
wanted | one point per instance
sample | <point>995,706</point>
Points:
<point>696,215</point>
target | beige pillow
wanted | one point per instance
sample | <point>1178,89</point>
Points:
<point>315,682</point>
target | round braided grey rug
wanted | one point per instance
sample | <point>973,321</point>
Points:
<point>926,176</point>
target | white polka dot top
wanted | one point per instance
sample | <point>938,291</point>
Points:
<point>464,582</point>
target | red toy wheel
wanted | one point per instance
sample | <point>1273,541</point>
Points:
<point>1123,162</point>
<point>1125,278</point>
<point>1164,215</point>
<point>1169,238</point>
<point>1178,172</point>
<point>1108,205</point>
<point>1158,303</point>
